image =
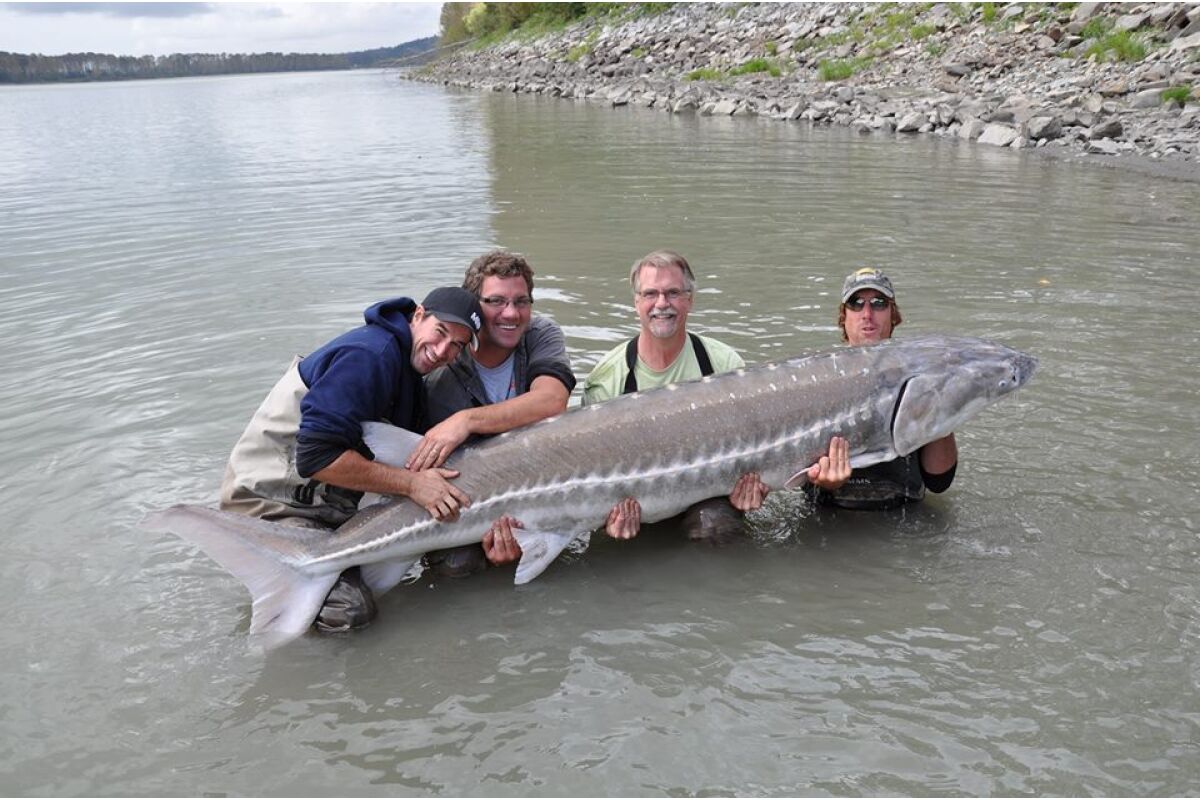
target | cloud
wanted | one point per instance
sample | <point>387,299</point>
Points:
<point>122,10</point>
<point>138,29</point>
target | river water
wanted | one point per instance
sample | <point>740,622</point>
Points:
<point>167,246</point>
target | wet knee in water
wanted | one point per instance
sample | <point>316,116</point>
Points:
<point>457,562</point>
<point>714,521</point>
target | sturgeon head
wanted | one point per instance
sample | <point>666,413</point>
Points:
<point>946,382</point>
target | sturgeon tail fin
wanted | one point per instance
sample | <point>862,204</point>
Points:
<point>265,556</point>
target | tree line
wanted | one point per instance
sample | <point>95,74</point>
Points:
<point>35,68</point>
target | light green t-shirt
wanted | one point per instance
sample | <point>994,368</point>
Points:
<point>607,379</point>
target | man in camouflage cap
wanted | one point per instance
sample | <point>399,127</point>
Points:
<point>868,314</point>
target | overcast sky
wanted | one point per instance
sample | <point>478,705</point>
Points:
<point>137,29</point>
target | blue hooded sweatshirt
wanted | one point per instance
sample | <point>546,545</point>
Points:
<point>361,376</point>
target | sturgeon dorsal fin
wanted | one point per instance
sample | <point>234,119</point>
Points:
<point>391,445</point>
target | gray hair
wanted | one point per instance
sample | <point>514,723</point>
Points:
<point>663,259</point>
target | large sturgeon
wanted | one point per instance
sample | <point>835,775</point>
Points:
<point>669,448</point>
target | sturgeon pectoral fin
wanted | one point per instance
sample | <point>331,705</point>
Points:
<point>538,549</point>
<point>384,575</point>
<point>856,462</point>
<point>391,445</point>
<point>285,607</point>
<point>797,480</point>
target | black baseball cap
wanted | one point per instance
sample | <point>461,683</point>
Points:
<point>456,305</point>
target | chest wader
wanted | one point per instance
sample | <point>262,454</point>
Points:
<point>261,481</point>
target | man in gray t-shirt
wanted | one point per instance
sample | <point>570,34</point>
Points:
<point>518,375</point>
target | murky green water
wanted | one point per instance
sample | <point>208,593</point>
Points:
<point>167,246</point>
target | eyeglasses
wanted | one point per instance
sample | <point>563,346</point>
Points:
<point>672,295</point>
<point>877,303</point>
<point>519,303</point>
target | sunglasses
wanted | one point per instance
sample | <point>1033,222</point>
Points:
<point>877,303</point>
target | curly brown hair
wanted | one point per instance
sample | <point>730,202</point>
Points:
<point>498,263</point>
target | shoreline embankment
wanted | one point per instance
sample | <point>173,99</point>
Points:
<point>1115,84</point>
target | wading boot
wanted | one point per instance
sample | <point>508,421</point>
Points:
<point>349,606</point>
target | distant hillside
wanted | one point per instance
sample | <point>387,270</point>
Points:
<point>22,68</point>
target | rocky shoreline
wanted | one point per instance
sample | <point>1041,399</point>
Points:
<point>1115,83</point>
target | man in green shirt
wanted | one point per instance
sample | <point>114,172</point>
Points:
<point>664,352</point>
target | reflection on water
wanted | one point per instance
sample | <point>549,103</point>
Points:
<point>169,245</point>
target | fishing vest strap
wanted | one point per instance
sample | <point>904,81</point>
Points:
<point>631,353</point>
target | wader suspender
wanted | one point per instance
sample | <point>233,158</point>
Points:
<point>706,367</point>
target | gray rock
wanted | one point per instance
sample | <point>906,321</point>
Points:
<point>1106,147</point>
<point>1185,43</point>
<point>1045,128</point>
<point>999,135</point>
<point>1161,13</point>
<point>1107,129</point>
<point>1014,109</point>
<point>1131,22</point>
<point>911,122</point>
<point>970,108</point>
<point>1156,72</point>
<point>1085,11</point>
<point>957,70</point>
<point>724,108</point>
<point>794,111</point>
<point>1150,98</point>
<point>685,103</point>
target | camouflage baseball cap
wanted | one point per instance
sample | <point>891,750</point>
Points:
<point>867,278</point>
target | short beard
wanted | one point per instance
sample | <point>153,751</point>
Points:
<point>669,319</point>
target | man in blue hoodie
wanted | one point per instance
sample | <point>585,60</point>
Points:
<point>302,459</point>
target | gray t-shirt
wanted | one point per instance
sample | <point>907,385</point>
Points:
<point>498,381</point>
<point>541,351</point>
